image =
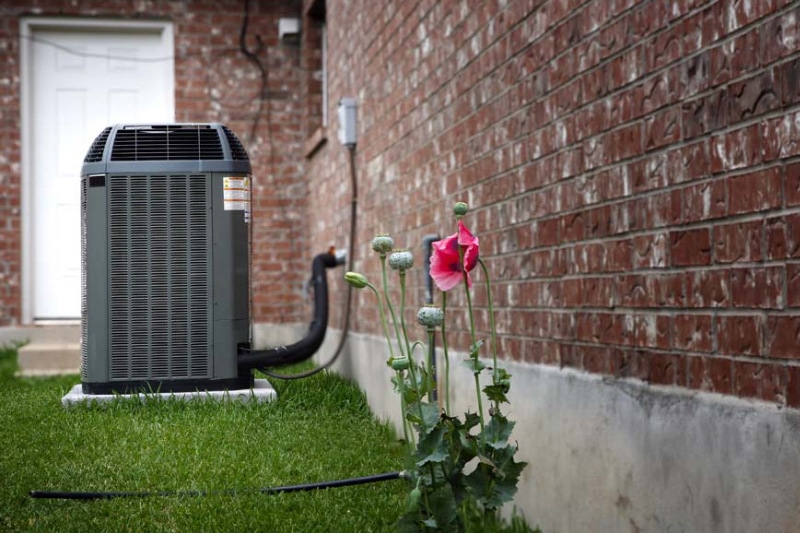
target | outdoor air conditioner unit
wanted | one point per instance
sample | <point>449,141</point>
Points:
<point>164,251</point>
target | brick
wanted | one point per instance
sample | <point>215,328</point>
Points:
<point>779,137</point>
<point>738,242</point>
<point>707,289</point>
<point>704,201</point>
<point>663,369</point>
<point>740,335</point>
<point>737,149</point>
<point>705,114</point>
<point>788,75</point>
<point>710,374</point>
<point>778,37</point>
<point>756,191</point>
<point>792,189</point>
<point>693,333</point>
<point>793,285</point>
<point>662,128</point>
<point>760,287</point>
<point>651,251</point>
<point>690,247</point>
<point>651,331</point>
<point>783,236</point>
<point>753,97</point>
<point>783,336</point>
<point>793,386</point>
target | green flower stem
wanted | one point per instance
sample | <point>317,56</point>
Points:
<point>491,324</point>
<point>383,320</point>
<point>446,358</point>
<point>419,397</point>
<point>403,309</point>
<point>473,337</point>
<point>401,384</point>
<point>389,304</point>
<point>431,366</point>
<point>474,344</point>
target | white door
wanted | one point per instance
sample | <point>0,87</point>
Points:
<point>81,80</point>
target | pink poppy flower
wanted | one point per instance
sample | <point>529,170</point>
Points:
<point>446,267</point>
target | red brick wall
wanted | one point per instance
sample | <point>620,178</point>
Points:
<point>214,82</point>
<point>633,168</point>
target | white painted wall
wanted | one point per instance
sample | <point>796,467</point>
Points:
<point>623,456</point>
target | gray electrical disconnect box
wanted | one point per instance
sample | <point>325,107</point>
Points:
<point>164,259</point>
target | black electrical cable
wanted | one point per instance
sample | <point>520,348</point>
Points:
<point>82,495</point>
<point>348,301</point>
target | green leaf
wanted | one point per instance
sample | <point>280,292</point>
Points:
<point>429,417</point>
<point>497,431</point>
<point>475,365</point>
<point>431,448</point>
<point>494,483</point>
<point>444,509</point>
<point>496,393</point>
<point>475,348</point>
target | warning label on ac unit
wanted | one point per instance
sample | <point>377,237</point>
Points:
<point>236,194</point>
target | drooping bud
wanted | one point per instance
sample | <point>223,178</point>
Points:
<point>430,316</point>
<point>401,260</point>
<point>460,209</point>
<point>382,244</point>
<point>356,279</point>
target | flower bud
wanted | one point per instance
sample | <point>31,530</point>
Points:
<point>460,209</point>
<point>356,279</point>
<point>430,316</point>
<point>400,363</point>
<point>401,259</point>
<point>382,244</point>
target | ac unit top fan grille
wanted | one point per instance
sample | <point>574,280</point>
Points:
<point>95,152</point>
<point>166,142</point>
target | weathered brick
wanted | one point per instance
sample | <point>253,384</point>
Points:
<point>783,336</point>
<point>693,333</point>
<point>755,191</point>
<point>690,247</point>
<point>738,242</point>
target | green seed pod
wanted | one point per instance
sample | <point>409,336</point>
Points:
<point>430,316</point>
<point>460,209</point>
<point>400,363</point>
<point>401,259</point>
<point>382,244</point>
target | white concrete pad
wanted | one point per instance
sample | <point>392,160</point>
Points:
<point>261,392</point>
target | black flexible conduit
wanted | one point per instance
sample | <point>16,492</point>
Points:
<point>66,495</point>
<point>308,345</point>
<point>351,249</point>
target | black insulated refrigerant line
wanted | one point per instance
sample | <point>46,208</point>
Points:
<point>307,346</point>
<point>66,495</point>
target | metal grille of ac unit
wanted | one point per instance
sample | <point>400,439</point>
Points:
<point>84,332</point>
<point>159,277</point>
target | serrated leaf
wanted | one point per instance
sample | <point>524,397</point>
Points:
<point>423,414</point>
<point>475,348</point>
<point>497,431</point>
<point>496,393</point>
<point>474,365</point>
<point>444,509</point>
<point>431,448</point>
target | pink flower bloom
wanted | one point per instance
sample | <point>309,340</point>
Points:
<point>446,268</point>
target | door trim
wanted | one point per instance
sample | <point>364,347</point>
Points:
<point>28,26</point>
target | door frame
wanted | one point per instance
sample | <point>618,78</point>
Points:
<point>28,26</point>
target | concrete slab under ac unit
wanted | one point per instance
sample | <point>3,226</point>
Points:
<point>261,392</point>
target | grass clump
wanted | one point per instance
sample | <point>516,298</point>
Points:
<point>319,429</point>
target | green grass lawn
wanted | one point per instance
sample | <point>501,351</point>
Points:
<point>319,429</point>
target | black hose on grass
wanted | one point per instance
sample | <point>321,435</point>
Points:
<point>66,495</point>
